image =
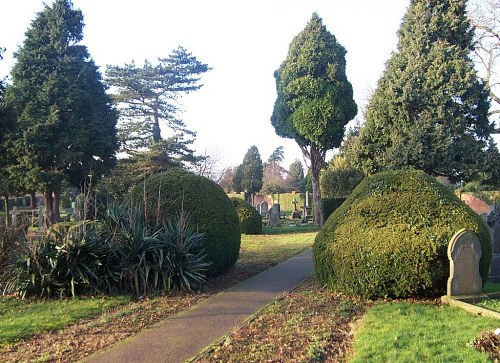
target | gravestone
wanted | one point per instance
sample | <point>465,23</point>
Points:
<point>492,219</point>
<point>296,213</point>
<point>274,216</point>
<point>263,208</point>
<point>464,253</point>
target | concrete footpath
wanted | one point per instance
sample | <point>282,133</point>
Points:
<point>182,336</point>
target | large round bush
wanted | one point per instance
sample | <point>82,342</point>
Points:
<point>390,237</point>
<point>250,219</point>
<point>210,212</point>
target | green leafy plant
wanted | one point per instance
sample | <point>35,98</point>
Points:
<point>250,219</point>
<point>390,237</point>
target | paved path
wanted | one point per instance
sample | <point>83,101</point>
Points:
<point>182,336</point>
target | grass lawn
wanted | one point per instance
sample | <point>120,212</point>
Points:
<point>419,332</point>
<point>22,318</point>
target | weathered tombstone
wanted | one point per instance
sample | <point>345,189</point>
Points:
<point>492,219</point>
<point>464,253</point>
<point>296,213</point>
<point>263,208</point>
<point>274,216</point>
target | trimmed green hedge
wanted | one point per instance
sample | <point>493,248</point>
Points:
<point>250,219</point>
<point>330,205</point>
<point>209,209</point>
<point>390,237</point>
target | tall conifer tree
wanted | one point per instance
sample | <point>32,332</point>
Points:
<point>314,98</point>
<point>429,110</point>
<point>65,119</point>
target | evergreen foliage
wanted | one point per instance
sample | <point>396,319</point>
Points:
<point>295,178</point>
<point>252,171</point>
<point>149,95</point>
<point>210,212</point>
<point>390,237</point>
<point>314,98</point>
<point>339,183</point>
<point>250,219</point>
<point>429,110</point>
<point>66,124</point>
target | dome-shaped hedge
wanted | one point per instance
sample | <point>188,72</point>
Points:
<point>390,237</point>
<point>209,209</point>
<point>250,219</point>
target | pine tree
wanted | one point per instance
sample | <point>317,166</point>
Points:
<point>64,115</point>
<point>314,98</point>
<point>429,110</point>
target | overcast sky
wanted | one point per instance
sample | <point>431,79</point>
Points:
<point>243,41</point>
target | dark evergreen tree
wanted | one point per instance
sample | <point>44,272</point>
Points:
<point>237,179</point>
<point>252,171</point>
<point>314,98</point>
<point>65,118</point>
<point>430,110</point>
<point>295,178</point>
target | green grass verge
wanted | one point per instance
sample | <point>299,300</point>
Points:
<point>284,229</point>
<point>490,287</point>
<point>490,304</point>
<point>271,249</point>
<point>417,332</point>
<point>22,318</point>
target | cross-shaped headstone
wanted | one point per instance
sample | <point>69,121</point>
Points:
<point>295,202</point>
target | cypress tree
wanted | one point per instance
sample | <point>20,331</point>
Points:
<point>429,110</point>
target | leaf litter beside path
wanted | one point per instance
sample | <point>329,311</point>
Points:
<point>308,324</point>
<point>91,335</point>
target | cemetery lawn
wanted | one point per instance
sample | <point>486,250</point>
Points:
<point>419,331</point>
<point>22,318</point>
<point>71,335</point>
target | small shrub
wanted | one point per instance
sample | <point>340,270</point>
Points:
<point>210,211</point>
<point>390,237</point>
<point>250,219</point>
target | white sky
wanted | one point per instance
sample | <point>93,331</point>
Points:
<point>243,41</point>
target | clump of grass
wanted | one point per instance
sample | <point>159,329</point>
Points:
<point>416,332</point>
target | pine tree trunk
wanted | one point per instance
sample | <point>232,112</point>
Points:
<point>49,208</point>
<point>316,162</point>
<point>57,202</point>
<point>6,209</point>
<point>33,200</point>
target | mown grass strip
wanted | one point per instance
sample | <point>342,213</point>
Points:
<point>419,332</point>
<point>22,318</point>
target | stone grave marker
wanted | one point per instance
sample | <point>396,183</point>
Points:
<point>274,216</point>
<point>464,253</point>
<point>263,208</point>
<point>492,219</point>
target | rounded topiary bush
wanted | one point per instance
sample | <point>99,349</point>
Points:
<point>167,195</point>
<point>250,219</point>
<point>390,237</point>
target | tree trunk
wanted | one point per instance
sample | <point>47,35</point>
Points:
<point>33,200</point>
<point>49,208</point>
<point>57,202</point>
<point>6,209</point>
<point>316,163</point>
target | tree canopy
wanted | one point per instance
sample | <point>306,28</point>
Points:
<point>429,110</point>
<point>66,125</point>
<point>148,96</point>
<point>314,98</point>
<point>251,171</point>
